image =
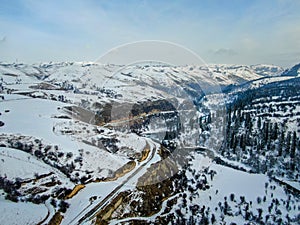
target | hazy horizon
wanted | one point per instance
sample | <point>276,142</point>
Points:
<point>220,32</point>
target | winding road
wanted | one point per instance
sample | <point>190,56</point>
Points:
<point>92,213</point>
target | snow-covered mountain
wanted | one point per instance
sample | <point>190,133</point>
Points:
<point>149,144</point>
<point>93,74</point>
<point>247,72</point>
<point>294,71</point>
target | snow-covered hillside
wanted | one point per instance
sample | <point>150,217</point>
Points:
<point>97,74</point>
<point>241,73</point>
<point>79,141</point>
<point>294,71</point>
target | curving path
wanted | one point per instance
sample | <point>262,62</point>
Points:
<point>91,214</point>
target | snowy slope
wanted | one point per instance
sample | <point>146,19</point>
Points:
<point>49,124</point>
<point>126,79</point>
<point>21,213</point>
<point>242,73</point>
<point>294,71</point>
<point>18,164</point>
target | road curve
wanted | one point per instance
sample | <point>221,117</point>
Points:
<point>93,212</point>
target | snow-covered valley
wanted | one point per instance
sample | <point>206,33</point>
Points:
<point>87,143</point>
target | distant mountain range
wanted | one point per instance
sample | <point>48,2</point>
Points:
<point>222,73</point>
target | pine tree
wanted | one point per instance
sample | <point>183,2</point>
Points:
<point>281,143</point>
<point>243,142</point>
<point>266,132</point>
<point>232,138</point>
<point>259,123</point>
<point>274,132</point>
<point>293,146</point>
<point>288,143</point>
<point>248,123</point>
<point>213,218</point>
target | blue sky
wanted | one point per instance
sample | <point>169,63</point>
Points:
<point>220,31</point>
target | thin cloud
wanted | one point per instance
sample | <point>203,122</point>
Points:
<point>249,31</point>
<point>3,39</point>
<point>225,52</point>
